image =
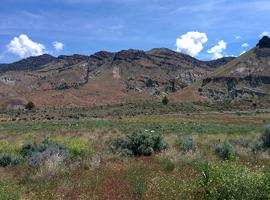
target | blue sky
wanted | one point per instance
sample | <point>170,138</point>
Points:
<point>214,28</point>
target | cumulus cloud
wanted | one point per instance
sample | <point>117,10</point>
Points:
<point>24,47</point>
<point>218,49</point>
<point>191,43</point>
<point>265,33</point>
<point>58,46</point>
<point>245,45</point>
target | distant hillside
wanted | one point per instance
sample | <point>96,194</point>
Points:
<point>102,78</point>
<point>247,76</point>
<point>219,62</point>
<point>31,63</point>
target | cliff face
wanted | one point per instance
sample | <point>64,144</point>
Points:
<point>264,42</point>
<point>245,77</point>
<point>103,77</point>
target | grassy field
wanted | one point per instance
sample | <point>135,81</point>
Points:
<point>207,156</point>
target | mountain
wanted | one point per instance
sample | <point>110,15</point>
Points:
<point>102,78</point>
<point>219,62</point>
<point>31,63</point>
<point>247,76</point>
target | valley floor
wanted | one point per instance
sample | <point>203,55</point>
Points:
<point>209,155</point>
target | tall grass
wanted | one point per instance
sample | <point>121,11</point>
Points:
<point>78,147</point>
<point>9,189</point>
<point>138,180</point>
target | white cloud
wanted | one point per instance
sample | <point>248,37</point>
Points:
<point>242,53</point>
<point>58,46</point>
<point>238,37</point>
<point>24,47</point>
<point>265,33</point>
<point>191,43</point>
<point>245,45</point>
<point>218,49</point>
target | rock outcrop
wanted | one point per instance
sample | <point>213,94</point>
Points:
<point>101,77</point>
<point>264,42</point>
<point>247,76</point>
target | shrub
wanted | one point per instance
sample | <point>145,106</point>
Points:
<point>165,100</point>
<point>241,142</point>
<point>227,180</point>
<point>47,150</point>
<point>186,144</point>
<point>263,142</point>
<point>121,145</point>
<point>8,159</point>
<point>167,165</point>
<point>225,150</point>
<point>51,155</point>
<point>265,138</point>
<point>28,149</point>
<point>137,144</point>
<point>30,105</point>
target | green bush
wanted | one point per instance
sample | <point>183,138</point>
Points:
<point>30,105</point>
<point>47,150</point>
<point>225,150</point>
<point>121,144</point>
<point>227,180</point>
<point>263,143</point>
<point>9,159</point>
<point>265,138</point>
<point>165,100</point>
<point>28,149</point>
<point>186,144</point>
<point>138,144</point>
<point>167,165</point>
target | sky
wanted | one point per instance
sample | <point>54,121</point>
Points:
<point>205,29</point>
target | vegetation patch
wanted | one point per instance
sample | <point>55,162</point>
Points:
<point>9,160</point>
<point>169,187</point>
<point>186,144</point>
<point>78,147</point>
<point>225,150</point>
<point>9,189</point>
<point>9,147</point>
<point>140,143</point>
<point>230,180</point>
<point>167,165</point>
<point>76,162</point>
<point>263,143</point>
<point>138,180</point>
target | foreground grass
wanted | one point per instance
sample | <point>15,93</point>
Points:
<point>93,172</point>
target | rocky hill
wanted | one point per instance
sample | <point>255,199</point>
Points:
<point>31,63</point>
<point>102,78</point>
<point>247,76</point>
